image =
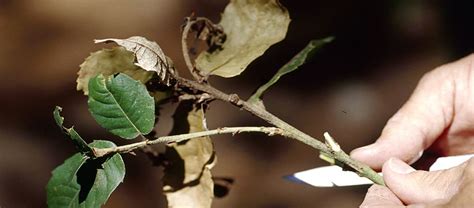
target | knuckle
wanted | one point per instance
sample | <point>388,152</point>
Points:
<point>444,71</point>
<point>437,74</point>
<point>428,76</point>
<point>470,57</point>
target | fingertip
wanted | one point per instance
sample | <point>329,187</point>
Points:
<point>397,167</point>
<point>387,146</point>
<point>396,176</point>
<point>372,155</point>
<point>361,152</point>
<point>412,186</point>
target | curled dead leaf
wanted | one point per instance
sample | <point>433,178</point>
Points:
<point>149,55</point>
<point>188,180</point>
<point>109,62</point>
<point>251,27</point>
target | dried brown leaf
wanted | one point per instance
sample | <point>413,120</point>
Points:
<point>149,55</point>
<point>188,180</point>
<point>108,62</point>
<point>251,27</point>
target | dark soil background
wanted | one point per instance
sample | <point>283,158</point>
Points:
<point>350,89</point>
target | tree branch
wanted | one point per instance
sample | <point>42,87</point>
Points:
<point>270,131</point>
<point>289,131</point>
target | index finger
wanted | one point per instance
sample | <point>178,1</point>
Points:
<point>421,120</point>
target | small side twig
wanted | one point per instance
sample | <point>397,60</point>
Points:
<point>207,31</point>
<point>199,97</point>
<point>331,142</point>
<point>270,131</point>
<point>184,47</point>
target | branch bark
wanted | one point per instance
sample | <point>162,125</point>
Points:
<point>289,131</point>
<point>270,131</point>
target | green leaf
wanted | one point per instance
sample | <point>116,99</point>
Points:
<point>76,138</point>
<point>109,62</point>
<point>188,181</point>
<point>299,59</point>
<point>82,182</point>
<point>63,189</point>
<point>121,105</point>
<point>148,55</point>
<point>251,27</point>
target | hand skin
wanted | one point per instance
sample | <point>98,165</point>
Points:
<point>447,188</point>
<point>438,118</point>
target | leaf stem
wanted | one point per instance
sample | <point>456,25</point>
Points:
<point>185,49</point>
<point>98,152</point>
<point>289,131</point>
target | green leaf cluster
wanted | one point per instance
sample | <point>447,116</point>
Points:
<point>121,105</point>
<point>85,182</point>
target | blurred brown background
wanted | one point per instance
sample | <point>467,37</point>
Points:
<point>350,89</point>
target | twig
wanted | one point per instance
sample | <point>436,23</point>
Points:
<point>199,97</point>
<point>184,47</point>
<point>289,131</point>
<point>331,142</point>
<point>100,152</point>
<point>205,30</point>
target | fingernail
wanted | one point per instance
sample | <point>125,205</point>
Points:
<point>370,146</point>
<point>363,149</point>
<point>399,166</point>
<point>414,159</point>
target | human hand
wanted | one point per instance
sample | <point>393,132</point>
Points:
<point>439,115</point>
<point>446,188</point>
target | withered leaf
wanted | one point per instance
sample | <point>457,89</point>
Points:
<point>149,55</point>
<point>187,180</point>
<point>108,62</point>
<point>251,26</point>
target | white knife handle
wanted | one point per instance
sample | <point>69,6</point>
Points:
<point>443,163</point>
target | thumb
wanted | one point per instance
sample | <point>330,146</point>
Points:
<point>413,186</point>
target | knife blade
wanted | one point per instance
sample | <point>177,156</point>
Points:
<point>330,176</point>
